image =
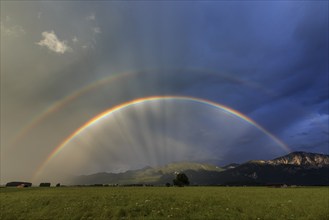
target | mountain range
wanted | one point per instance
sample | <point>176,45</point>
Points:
<point>296,168</point>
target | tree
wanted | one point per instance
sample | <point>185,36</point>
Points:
<point>44,185</point>
<point>181,180</point>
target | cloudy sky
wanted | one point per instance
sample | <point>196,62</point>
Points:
<point>63,63</point>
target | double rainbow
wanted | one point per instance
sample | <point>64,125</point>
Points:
<point>125,105</point>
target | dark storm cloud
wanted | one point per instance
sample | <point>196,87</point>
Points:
<point>264,44</point>
<point>286,52</point>
<point>268,60</point>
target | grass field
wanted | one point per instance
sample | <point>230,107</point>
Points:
<point>164,203</point>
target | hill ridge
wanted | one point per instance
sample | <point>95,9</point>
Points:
<point>298,168</point>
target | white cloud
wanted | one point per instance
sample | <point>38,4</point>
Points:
<point>12,31</point>
<point>91,17</point>
<point>75,39</point>
<point>97,30</point>
<point>53,43</point>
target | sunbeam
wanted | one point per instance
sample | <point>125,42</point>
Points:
<point>157,130</point>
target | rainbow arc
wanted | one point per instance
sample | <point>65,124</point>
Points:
<point>98,118</point>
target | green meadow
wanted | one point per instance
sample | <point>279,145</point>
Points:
<point>164,203</point>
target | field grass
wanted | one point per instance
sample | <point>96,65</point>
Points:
<point>165,203</point>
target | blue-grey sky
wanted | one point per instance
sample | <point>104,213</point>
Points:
<point>265,59</point>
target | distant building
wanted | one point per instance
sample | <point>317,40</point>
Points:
<point>18,184</point>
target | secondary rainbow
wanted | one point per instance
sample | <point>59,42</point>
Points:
<point>60,104</point>
<point>110,111</point>
<point>55,107</point>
